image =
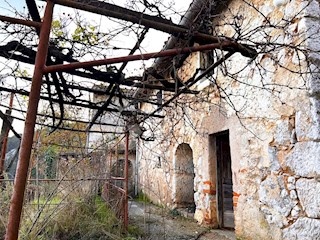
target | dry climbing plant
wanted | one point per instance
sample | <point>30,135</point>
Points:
<point>75,38</point>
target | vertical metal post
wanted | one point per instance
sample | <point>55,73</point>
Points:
<point>126,183</point>
<point>27,138</point>
<point>37,169</point>
<point>5,139</point>
<point>109,171</point>
<point>117,161</point>
<point>136,169</point>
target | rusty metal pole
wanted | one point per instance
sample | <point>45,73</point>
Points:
<point>5,140</point>
<point>20,21</point>
<point>126,184</point>
<point>146,56</point>
<point>27,138</point>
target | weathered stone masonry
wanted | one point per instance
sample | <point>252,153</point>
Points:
<point>275,149</point>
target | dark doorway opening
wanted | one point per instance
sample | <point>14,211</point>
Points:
<point>224,180</point>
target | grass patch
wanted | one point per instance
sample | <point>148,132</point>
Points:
<point>52,201</point>
<point>142,198</point>
<point>135,232</point>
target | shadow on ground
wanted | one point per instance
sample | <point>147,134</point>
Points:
<point>159,223</point>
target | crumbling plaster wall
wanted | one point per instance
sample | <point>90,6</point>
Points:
<point>275,169</point>
<point>275,149</point>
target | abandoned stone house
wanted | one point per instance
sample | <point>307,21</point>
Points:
<point>244,153</point>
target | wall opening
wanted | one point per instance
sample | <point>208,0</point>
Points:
<point>224,180</point>
<point>184,178</point>
<point>117,170</point>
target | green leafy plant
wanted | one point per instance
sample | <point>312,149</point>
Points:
<point>86,34</point>
<point>50,159</point>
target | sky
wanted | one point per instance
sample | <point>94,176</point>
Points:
<point>153,42</point>
<point>16,4</point>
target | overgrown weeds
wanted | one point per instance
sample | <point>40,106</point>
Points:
<point>5,196</point>
<point>89,219</point>
<point>62,219</point>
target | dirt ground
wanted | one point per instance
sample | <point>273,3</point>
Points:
<point>159,224</point>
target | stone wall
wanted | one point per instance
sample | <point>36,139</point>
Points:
<point>274,131</point>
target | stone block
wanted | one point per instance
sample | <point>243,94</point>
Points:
<point>291,186</point>
<point>291,180</point>
<point>290,10</point>
<point>314,85</point>
<point>299,9</point>
<point>315,111</point>
<point>275,219</point>
<point>308,193</point>
<point>282,56</point>
<point>303,229</point>
<point>295,212</point>
<point>298,58</point>
<point>310,9</point>
<point>293,194</point>
<point>273,194</point>
<point>306,129</point>
<point>274,162</point>
<point>304,159</point>
<point>309,29</point>
<point>283,132</point>
<point>199,216</point>
<point>266,9</point>
<point>252,222</point>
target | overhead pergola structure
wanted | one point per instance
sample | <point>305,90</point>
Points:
<point>51,65</point>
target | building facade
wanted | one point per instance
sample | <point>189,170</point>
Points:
<point>244,153</point>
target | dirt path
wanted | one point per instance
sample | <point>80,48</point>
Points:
<point>159,224</point>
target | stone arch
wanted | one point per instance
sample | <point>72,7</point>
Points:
<point>183,192</point>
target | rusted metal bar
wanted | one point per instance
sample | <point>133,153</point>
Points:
<point>72,129</point>
<point>87,104</point>
<point>64,119</point>
<point>117,178</point>
<point>27,139</point>
<point>117,159</point>
<point>20,21</point>
<point>64,180</point>
<point>126,184</point>
<point>110,162</point>
<point>149,21</point>
<point>7,121</point>
<point>11,101</point>
<point>146,56</point>
<point>119,189</point>
<point>37,144</point>
<point>5,140</point>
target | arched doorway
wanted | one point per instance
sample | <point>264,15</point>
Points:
<point>183,196</point>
